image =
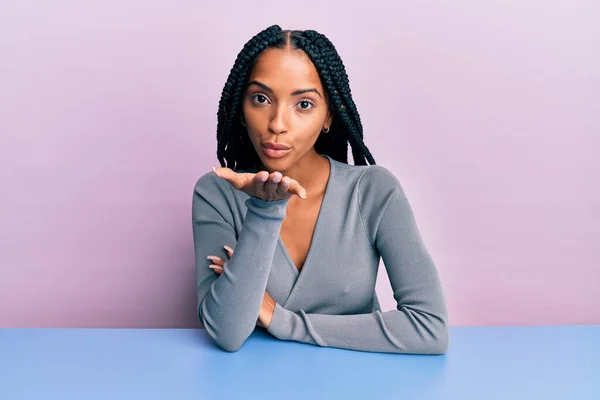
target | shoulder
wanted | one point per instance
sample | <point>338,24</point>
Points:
<point>211,189</point>
<point>373,183</point>
<point>209,182</point>
<point>380,178</point>
<point>373,187</point>
<point>376,186</point>
<point>378,189</point>
<point>368,175</point>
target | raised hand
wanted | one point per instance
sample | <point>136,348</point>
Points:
<point>265,186</point>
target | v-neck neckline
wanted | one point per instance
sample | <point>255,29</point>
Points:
<point>318,223</point>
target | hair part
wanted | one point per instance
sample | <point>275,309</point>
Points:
<point>235,150</point>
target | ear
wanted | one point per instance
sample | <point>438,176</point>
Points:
<point>329,118</point>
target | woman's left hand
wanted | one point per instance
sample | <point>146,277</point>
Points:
<point>268,304</point>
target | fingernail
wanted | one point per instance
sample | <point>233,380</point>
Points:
<point>215,267</point>
<point>214,258</point>
<point>277,178</point>
<point>229,249</point>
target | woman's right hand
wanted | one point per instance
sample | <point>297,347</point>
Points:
<point>265,186</point>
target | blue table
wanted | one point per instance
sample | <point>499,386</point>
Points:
<point>482,363</point>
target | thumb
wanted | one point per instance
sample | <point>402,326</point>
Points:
<point>227,174</point>
<point>222,172</point>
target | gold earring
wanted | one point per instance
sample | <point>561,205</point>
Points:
<point>326,129</point>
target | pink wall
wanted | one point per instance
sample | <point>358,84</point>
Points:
<point>488,112</point>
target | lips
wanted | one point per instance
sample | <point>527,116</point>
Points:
<point>275,146</point>
<point>274,150</point>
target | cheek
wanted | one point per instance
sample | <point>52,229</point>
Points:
<point>256,119</point>
<point>310,126</point>
<point>308,122</point>
<point>253,135</point>
<point>252,120</point>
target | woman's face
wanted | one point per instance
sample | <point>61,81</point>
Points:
<point>284,108</point>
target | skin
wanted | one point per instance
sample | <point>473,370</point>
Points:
<point>281,117</point>
<point>285,103</point>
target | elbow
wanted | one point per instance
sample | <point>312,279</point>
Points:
<point>229,344</point>
<point>440,343</point>
<point>433,337</point>
<point>430,334</point>
<point>440,337</point>
<point>229,338</point>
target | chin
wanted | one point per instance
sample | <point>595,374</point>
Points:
<point>280,164</point>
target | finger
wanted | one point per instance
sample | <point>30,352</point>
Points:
<point>229,251</point>
<point>272,184</point>
<point>216,260</point>
<point>256,186</point>
<point>225,173</point>
<point>282,189</point>
<point>217,269</point>
<point>260,177</point>
<point>238,180</point>
<point>297,189</point>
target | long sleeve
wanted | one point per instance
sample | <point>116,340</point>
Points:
<point>229,304</point>
<point>419,323</point>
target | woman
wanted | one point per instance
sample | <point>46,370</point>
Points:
<point>289,233</point>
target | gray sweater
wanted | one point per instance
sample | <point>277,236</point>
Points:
<point>364,217</point>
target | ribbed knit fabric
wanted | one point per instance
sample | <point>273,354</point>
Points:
<point>365,217</point>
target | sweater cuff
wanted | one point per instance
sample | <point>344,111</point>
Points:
<point>281,323</point>
<point>267,209</point>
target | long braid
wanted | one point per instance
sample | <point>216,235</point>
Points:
<point>334,99</point>
<point>235,150</point>
<point>230,103</point>
<point>338,72</point>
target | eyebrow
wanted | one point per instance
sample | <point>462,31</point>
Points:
<point>294,93</point>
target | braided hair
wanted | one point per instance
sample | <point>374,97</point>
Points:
<point>234,148</point>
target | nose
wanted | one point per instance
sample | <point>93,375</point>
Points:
<point>278,122</point>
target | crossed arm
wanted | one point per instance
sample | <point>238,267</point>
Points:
<point>230,303</point>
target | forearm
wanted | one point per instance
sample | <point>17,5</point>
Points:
<point>407,330</point>
<point>230,309</point>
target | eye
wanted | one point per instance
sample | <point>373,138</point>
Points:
<point>260,99</point>
<point>306,104</point>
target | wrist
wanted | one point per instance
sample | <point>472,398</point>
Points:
<point>283,322</point>
<point>267,310</point>
<point>267,209</point>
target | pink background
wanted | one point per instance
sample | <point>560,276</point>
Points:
<point>488,113</point>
